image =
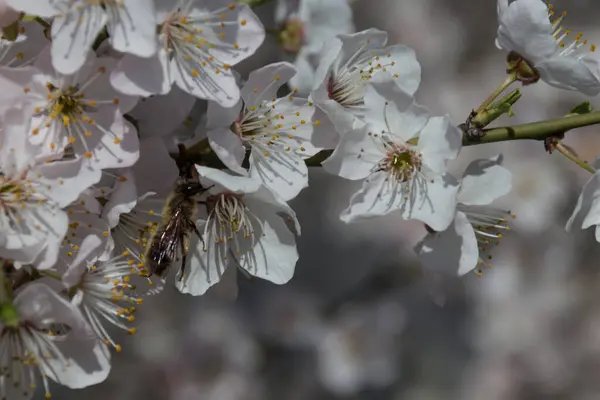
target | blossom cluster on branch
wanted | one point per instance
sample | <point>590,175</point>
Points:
<point>131,151</point>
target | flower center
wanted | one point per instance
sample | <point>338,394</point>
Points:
<point>18,198</point>
<point>489,225</point>
<point>400,161</point>
<point>292,35</point>
<point>229,220</point>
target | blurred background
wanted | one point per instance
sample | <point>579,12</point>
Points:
<point>359,320</point>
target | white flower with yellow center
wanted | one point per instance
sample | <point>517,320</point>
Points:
<point>526,29</point>
<point>402,155</point>
<point>131,26</point>
<point>199,42</point>
<point>464,245</point>
<point>81,111</point>
<point>279,132</point>
<point>244,226</point>
<point>29,348</point>
<point>105,294</point>
<point>32,195</point>
<point>347,64</point>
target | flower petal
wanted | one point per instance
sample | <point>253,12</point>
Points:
<point>453,251</point>
<point>587,209</point>
<point>227,181</point>
<point>263,83</point>
<point>73,35</point>
<point>526,29</point>
<point>356,155</point>
<point>484,181</point>
<point>439,142</point>
<point>228,146</point>
<point>284,173</point>
<point>155,171</point>
<point>133,27</point>
<point>570,73</point>
<point>142,76</point>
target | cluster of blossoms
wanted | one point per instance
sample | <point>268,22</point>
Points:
<point>96,202</point>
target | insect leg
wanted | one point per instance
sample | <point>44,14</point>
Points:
<point>193,226</point>
<point>183,260</point>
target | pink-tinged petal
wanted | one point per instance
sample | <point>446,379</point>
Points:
<point>571,73</point>
<point>73,35</point>
<point>433,202</point>
<point>390,109</point>
<point>226,182</point>
<point>484,181</point>
<point>526,29</point>
<point>439,142</point>
<point>133,27</point>
<point>453,251</point>
<point>155,171</point>
<point>356,156</point>
<point>122,199</point>
<point>161,115</point>
<point>142,76</point>
<point>42,8</point>
<point>263,83</point>
<point>228,146</point>
<point>274,256</point>
<point>285,173</point>
<point>587,209</point>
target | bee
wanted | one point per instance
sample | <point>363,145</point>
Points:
<point>170,241</point>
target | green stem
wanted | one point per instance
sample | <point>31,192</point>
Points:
<point>535,130</point>
<point>507,82</point>
<point>565,152</point>
<point>42,22</point>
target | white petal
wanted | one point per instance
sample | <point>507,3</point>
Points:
<point>484,181</point>
<point>263,83</point>
<point>570,73</point>
<point>204,268</point>
<point>329,53</point>
<point>228,146</point>
<point>73,35</point>
<point>303,80</point>
<point>221,117</point>
<point>133,27</point>
<point>224,180</point>
<point>274,256</point>
<point>453,251</point>
<point>248,34</point>
<point>587,209</point>
<point>42,8</point>
<point>439,142</point>
<point>66,180</point>
<point>88,360</point>
<point>356,155</point>
<point>390,109</point>
<point>283,172</point>
<point>526,29</point>
<point>16,153</point>
<point>433,203</point>
<point>378,196</point>
<point>142,76</point>
<point>401,63</point>
<point>122,199</point>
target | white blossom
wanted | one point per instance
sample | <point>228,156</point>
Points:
<point>279,132</point>
<point>244,226</point>
<point>81,112</point>
<point>198,43</point>
<point>30,347</point>
<point>465,244</point>
<point>587,210</point>
<point>131,26</point>
<point>346,65</point>
<point>526,29</point>
<point>33,193</point>
<point>401,154</point>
